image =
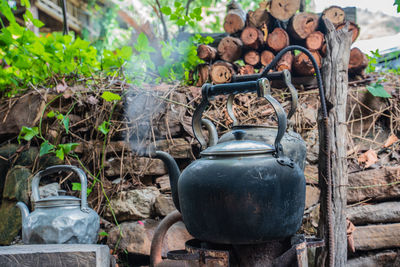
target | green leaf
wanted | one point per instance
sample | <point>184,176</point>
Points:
<point>104,127</point>
<point>25,3</point>
<point>181,22</point>
<point>45,148</point>
<point>103,234</point>
<point>197,11</point>
<point>142,42</point>
<point>126,52</point>
<point>60,153</point>
<point>37,23</point>
<point>51,114</point>
<point>377,89</point>
<point>397,3</point>
<point>68,147</point>
<point>76,186</point>
<point>27,133</point>
<point>166,10</point>
<point>65,122</point>
<point>109,96</point>
<point>177,4</point>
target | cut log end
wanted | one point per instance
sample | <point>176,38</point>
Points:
<point>252,37</point>
<point>315,41</point>
<point>258,17</point>
<point>335,14</point>
<point>278,39</point>
<point>283,9</point>
<point>354,28</point>
<point>285,63</point>
<point>203,73</point>
<point>358,61</point>
<point>206,52</point>
<point>230,49</point>
<point>303,24</point>
<point>234,21</point>
<point>266,57</point>
<point>246,69</point>
<point>252,58</point>
<point>222,72</point>
<point>303,65</point>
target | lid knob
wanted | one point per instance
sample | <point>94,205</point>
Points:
<point>239,134</point>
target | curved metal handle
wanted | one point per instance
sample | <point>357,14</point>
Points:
<point>262,87</point>
<point>55,169</point>
<point>286,77</point>
<point>212,132</point>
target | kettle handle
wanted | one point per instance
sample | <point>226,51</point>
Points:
<point>261,86</point>
<point>286,76</point>
<point>55,169</point>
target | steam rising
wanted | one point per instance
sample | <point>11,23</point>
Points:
<point>142,107</point>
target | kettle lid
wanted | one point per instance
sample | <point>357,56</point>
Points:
<point>57,201</point>
<point>239,146</point>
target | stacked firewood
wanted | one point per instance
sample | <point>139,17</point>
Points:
<point>257,36</point>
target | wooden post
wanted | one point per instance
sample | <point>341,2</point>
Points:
<point>335,80</point>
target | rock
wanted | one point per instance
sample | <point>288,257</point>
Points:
<point>311,174</point>
<point>179,148</point>
<point>10,222</point>
<point>163,183</point>
<point>16,184</point>
<point>311,140</point>
<point>48,190</point>
<point>133,204</point>
<point>27,157</point>
<point>385,258</point>
<point>147,166</point>
<point>380,236</point>
<point>386,212</point>
<point>164,205</point>
<point>113,166</point>
<point>137,237</point>
<point>25,112</point>
<point>373,184</point>
<point>312,195</point>
<point>48,160</point>
<point>6,153</point>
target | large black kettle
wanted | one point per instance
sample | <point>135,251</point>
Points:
<point>240,191</point>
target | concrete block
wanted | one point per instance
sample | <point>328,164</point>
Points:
<point>65,255</point>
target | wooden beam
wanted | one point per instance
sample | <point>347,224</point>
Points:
<point>333,207</point>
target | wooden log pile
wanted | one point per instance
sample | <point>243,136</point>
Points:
<point>255,37</point>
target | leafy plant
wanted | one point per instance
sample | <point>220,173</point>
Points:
<point>377,89</point>
<point>372,61</point>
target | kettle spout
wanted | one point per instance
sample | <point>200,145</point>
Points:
<point>24,210</point>
<point>174,174</point>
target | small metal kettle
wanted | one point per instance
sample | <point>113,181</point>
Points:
<point>59,219</point>
<point>240,191</point>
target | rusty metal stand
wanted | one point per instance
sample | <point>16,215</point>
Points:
<point>283,253</point>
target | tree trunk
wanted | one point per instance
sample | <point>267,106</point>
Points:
<point>246,69</point>
<point>283,9</point>
<point>222,72</point>
<point>302,25</point>
<point>335,80</point>
<point>303,66</point>
<point>235,18</point>
<point>230,49</point>
<point>258,17</point>
<point>358,61</point>
<point>203,73</point>
<point>252,58</point>
<point>206,52</point>
<point>335,14</point>
<point>252,37</point>
<point>352,28</point>
<point>315,41</point>
<point>285,63</point>
<point>267,57</point>
<point>278,39</point>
